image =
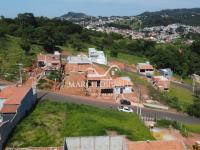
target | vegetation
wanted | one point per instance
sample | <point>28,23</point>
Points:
<point>45,84</point>
<point>127,58</point>
<point>126,24</point>
<point>183,128</point>
<point>172,101</point>
<point>184,96</point>
<point>49,33</point>
<point>174,124</point>
<point>193,109</point>
<point>193,128</point>
<point>50,122</point>
<point>11,54</point>
<point>166,17</point>
<point>54,75</point>
<point>25,36</point>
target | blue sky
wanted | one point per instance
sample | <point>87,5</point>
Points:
<point>54,8</point>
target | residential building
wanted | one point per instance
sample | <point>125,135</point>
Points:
<point>145,69</point>
<point>161,82</point>
<point>79,63</point>
<point>15,103</point>
<point>49,61</point>
<point>97,56</point>
<point>168,73</point>
<point>102,84</point>
<point>79,59</point>
<point>123,85</point>
<point>75,74</point>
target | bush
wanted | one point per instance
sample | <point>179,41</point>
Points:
<point>175,124</point>
<point>171,101</point>
<point>197,93</point>
<point>44,84</point>
<point>114,53</point>
<point>54,75</point>
<point>193,110</point>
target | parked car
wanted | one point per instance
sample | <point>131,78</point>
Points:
<point>125,102</point>
<point>125,109</point>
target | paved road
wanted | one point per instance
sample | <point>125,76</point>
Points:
<point>149,113</point>
<point>183,85</point>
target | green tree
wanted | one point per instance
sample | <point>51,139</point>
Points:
<point>193,110</point>
<point>26,46</point>
<point>114,53</point>
<point>195,47</point>
<point>26,19</point>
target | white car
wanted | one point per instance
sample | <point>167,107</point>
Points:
<point>125,109</point>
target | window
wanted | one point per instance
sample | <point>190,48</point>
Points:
<point>142,70</point>
<point>89,83</point>
<point>106,91</point>
<point>98,83</point>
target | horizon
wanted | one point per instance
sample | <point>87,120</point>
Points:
<point>50,8</point>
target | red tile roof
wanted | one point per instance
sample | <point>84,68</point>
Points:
<point>145,66</point>
<point>9,109</point>
<point>14,95</point>
<point>48,58</point>
<point>77,67</point>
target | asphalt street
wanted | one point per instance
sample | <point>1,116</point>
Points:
<point>145,112</point>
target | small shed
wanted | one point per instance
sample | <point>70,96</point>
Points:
<point>168,73</point>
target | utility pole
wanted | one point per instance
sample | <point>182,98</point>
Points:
<point>193,85</point>
<point>20,73</point>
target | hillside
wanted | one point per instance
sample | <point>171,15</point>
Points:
<point>11,54</point>
<point>74,16</point>
<point>166,17</point>
<point>148,19</point>
<point>65,120</point>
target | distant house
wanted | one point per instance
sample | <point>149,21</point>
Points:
<point>161,82</point>
<point>79,63</point>
<point>97,56</point>
<point>101,84</point>
<point>15,103</point>
<point>123,85</point>
<point>168,73</point>
<point>145,69</point>
<point>95,80</point>
<point>49,61</point>
<point>79,59</point>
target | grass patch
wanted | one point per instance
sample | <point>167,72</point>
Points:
<point>50,122</point>
<point>186,80</point>
<point>184,96</point>
<point>128,59</point>
<point>11,54</point>
<point>193,128</point>
<point>174,124</point>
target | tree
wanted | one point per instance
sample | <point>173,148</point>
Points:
<point>114,53</point>
<point>26,19</point>
<point>193,110</point>
<point>78,45</point>
<point>195,47</point>
<point>45,37</point>
<point>26,46</point>
<point>194,63</point>
<point>2,33</point>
